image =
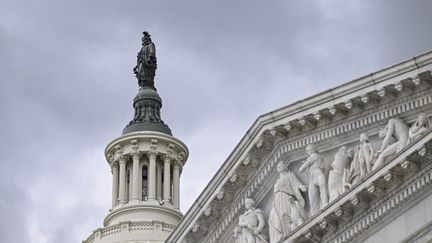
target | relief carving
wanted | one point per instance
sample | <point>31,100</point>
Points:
<point>288,208</point>
<point>361,164</point>
<point>339,165</point>
<point>317,192</point>
<point>395,128</point>
<point>420,126</point>
<point>251,224</point>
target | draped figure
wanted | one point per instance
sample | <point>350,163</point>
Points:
<point>288,208</point>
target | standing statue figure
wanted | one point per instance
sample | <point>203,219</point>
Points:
<point>420,126</point>
<point>361,164</point>
<point>238,234</point>
<point>288,207</point>
<point>251,223</point>
<point>339,165</point>
<point>145,70</point>
<point>394,128</point>
<point>317,193</point>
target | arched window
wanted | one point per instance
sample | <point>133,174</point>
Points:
<point>144,183</point>
<point>128,186</point>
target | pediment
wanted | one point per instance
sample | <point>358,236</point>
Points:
<point>329,120</point>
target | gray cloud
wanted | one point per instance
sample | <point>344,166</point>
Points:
<point>67,86</point>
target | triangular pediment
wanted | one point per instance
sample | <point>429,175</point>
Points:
<point>330,120</point>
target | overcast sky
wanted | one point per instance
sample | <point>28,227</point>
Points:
<point>67,86</point>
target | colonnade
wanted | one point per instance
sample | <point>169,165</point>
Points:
<point>166,181</point>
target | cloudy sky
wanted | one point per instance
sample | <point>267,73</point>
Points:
<point>67,86</point>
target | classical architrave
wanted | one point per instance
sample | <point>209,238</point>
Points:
<point>329,120</point>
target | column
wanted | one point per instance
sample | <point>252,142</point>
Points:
<point>176,184</point>
<point>159,181</point>
<point>115,185</point>
<point>135,176</point>
<point>167,181</point>
<point>152,175</point>
<point>122,180</point>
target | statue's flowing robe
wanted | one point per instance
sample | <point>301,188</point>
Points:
<point>146,66</point>
<point>358,168</point>
<point>288,206</point>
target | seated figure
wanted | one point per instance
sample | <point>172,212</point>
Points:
<point>420,126</point>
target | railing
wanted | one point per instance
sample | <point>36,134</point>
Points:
<point>127,228</point>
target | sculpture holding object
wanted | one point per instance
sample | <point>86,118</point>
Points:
<point>145,70</point>
<point>339,165</point>
<point>288,208</point>
<point>317,192</point>
<point>251,224</point>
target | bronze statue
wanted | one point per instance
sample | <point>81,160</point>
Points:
<point>145,70</point>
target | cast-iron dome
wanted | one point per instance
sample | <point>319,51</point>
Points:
<point>147,104</point>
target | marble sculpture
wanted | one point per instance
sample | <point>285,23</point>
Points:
<point>317,192</point>
<point>288,207</point>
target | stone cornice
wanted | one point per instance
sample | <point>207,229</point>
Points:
<point>181,147</point>
<point>141,207</point>
<point>150,143</point>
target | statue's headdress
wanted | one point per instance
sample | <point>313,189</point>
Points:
<point>146,38</point>
<point>146,34</point>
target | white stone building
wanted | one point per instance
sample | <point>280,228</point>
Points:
<point>319,170</point>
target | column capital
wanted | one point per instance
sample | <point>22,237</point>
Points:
<point>114,165</point>
<point>122,159</point>
<point>181,156</point>
<point>167,157</point>
<point>177,164</point>
<point>152,154</point>
<point>119,155</point>
<point>135,153</point>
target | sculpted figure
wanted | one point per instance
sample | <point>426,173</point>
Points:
<point>288,207</point>
<point>420,126</point>
<point>251,223</point>
<point>394,128</point>
<point>317,193</point>
<point>339,165</point>
<point>362,162</point>
<point>238,234</point>
<point>145,70</point>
